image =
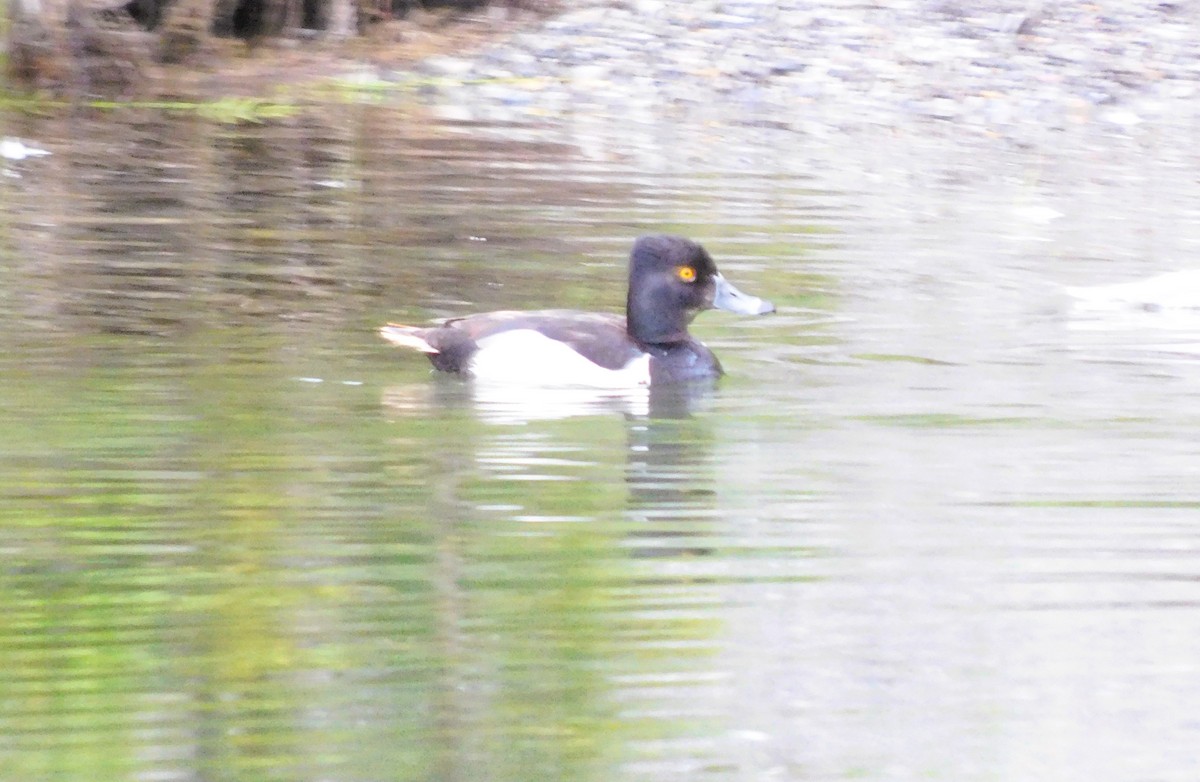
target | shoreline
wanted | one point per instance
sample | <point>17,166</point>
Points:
<point>1006,69</point>
<point>995,70</point>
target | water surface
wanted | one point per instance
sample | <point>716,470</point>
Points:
<point>935,522</point>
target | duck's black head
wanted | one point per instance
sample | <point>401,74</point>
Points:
<point>670,280</point>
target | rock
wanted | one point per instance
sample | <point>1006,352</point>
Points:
<point>1004,67</point>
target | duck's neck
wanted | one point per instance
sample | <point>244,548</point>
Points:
<point>651,325</point>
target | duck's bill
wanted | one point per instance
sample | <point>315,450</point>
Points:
<point>731,299</point>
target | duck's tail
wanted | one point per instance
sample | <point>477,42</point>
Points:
<point>407,337</point>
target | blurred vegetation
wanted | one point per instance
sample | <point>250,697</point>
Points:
<point>107,48</point>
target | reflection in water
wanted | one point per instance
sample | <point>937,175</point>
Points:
<point>920,530</point>
<point>671,491</point>
<point>674,511</point>
<point>170,222</point>
<point>515,405</point>
<point>538,533</point>
<point>499,403</point>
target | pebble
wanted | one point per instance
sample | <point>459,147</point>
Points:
<point>993,67</point>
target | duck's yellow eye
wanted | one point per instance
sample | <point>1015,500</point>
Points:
<point>686,273</point>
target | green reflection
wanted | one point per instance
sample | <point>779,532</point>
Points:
<point>228,558</point>
<point>224,570</point>
<point>165,614</point>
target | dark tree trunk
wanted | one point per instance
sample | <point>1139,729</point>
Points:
<point>184,34</point>
<point>34,56</point>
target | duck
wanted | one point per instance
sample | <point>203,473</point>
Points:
<point>671,280</point>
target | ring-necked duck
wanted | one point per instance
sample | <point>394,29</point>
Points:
<point>670,280</point>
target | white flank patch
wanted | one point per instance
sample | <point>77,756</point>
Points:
<point>527,357</point>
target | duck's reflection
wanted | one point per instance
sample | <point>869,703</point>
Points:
<point>510,404</point>
<point>667,446</point>
<point>670,494</point>
<point>554,515</point>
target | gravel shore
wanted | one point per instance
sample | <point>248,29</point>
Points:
<point>1001,69</point>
